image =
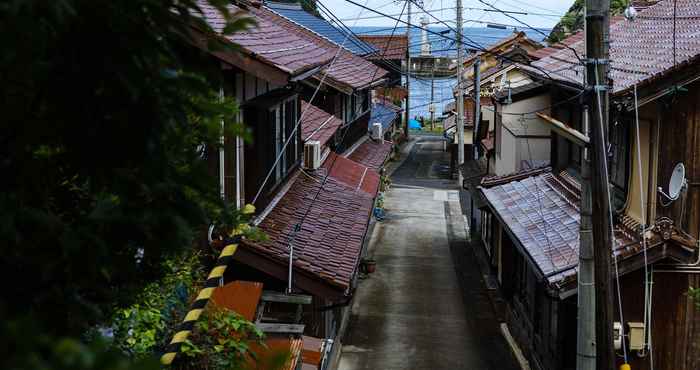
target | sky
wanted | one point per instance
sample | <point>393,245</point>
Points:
<point>540,13</point>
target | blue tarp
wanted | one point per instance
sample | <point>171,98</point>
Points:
<point>414,125</point>
<point>296,14</point>
<point>382,114</point>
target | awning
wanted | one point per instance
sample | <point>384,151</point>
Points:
<point>317,124</point>
<point>384,114</point>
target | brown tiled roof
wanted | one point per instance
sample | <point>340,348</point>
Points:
<point>390,46</point>
<point>318,124</point>
<point>541,53</point>
<point>294,49</point>
<point>269,41</point>
<point>640,50</point>
<point>541,210</point>
<point>329,243</point>
<point>519,36</point>
<point>372,153</point>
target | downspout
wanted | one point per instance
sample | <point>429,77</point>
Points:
<point>222,172</point>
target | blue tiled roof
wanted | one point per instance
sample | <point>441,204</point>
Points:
<point>383,114</point>
<point>296,14</point>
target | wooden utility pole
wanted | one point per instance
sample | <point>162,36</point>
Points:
<point>597,63</point>
<point>460,97</point>
<point>408,70</point>
<point>477,107</point>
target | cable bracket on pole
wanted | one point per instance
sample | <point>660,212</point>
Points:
<point>596,61</point>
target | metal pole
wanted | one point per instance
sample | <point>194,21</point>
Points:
<point>432,98</point>
<point>477,107</point>
<point>460,96</point>
<point>586,348</point>
<point>408,70</point>
<point>597,44</point>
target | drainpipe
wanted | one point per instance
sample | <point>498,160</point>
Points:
<point>222,172</point>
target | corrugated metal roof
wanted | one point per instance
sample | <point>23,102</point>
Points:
<point>383,114</point>
<point>241,297</point>
<point>322,27</point>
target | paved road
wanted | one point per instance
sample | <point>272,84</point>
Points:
<point>425,307</point>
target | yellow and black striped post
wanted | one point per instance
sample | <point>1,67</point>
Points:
<point>198,305</point>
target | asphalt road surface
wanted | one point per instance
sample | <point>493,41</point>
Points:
<point>426,306</point>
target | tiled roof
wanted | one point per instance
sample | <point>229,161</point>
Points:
<point>295,49</point>
<point>372,153</point>
<point>317,124</point>
<point>514,37</point>
<point>383,113</point>
<point>331,236</point>
<point>544,52</point>
<point>295,13</point>
<point>541,210</point>
<point>640,50</point>
<point>389,46</point>
<point>269,41</point>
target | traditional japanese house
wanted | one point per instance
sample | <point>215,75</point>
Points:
<point>311,169</point>
<point>530,223</point>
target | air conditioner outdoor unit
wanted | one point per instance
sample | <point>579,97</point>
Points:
<point>312,155</point>
<point>376,132</point>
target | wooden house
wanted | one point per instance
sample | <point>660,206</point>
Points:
<point>296,86</point>
<point>530,219</point>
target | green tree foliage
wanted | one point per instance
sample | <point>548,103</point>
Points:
<point>225,340</point>
<point>105,104</point>
<point>573,20</point>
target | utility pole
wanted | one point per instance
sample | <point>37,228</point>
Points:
<point>432,98</point>
<point>597,63</point>
<point>585,344</point>
<point>408,69</point>
<point>477,106</point>
<point>460,97</point>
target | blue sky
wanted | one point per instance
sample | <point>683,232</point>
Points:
<point>547,12</point>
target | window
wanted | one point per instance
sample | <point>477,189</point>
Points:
<point>618,160</point>
<point>487,231</point>
<point>283,118</point>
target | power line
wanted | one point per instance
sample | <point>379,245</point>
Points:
<point>301,117</point>
<point>475,45</point>
<point>469,8</point>
<point>546,37</point>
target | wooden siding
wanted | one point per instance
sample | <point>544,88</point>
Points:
<point>680,142</point>
<point>675,319</point>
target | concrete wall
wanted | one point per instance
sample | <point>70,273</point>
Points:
<point>522,137</point>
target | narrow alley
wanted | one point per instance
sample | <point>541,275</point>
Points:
<point>425,307</point>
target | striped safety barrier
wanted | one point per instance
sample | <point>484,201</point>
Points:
<point>213,281</point>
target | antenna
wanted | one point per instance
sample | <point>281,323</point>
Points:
<point>676,184</point>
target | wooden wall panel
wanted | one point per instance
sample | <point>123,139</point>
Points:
<point>680,142</point>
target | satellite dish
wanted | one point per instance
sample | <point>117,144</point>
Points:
<point>676,184</point>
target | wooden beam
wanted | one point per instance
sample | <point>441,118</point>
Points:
<point>267,327</point>
<point>269,296</point>
<point>565,130</point>
<point>314,285</point>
